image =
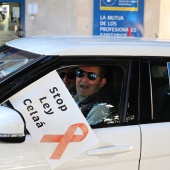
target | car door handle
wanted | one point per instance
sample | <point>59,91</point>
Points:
<point>110,150</point>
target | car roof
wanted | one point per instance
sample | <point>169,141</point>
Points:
<point>92,45</point>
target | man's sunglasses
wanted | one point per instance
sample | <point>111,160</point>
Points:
<point>90,75</point>
<point>70,76</point>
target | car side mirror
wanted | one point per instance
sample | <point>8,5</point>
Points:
<point>12,126</point>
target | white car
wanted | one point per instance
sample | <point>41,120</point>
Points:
<point>138,136</point>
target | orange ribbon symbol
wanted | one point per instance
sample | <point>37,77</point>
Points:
<point>65,139</point>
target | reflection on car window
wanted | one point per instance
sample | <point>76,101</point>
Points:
<point>12,59</point>
<point>132,109</point>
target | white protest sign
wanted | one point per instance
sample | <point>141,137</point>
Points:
<point>54,120</point>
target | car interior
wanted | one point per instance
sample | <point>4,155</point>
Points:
<point>161,92</point>
<point>113,88</point>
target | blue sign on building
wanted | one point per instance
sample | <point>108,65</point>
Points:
<point>118,17</point>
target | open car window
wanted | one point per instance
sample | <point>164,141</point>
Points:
<point>111,95</point>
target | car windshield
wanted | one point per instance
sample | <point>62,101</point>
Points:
<point>12,59</point>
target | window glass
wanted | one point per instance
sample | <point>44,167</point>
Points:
<point>160,90</point>
<point>132,110</point>
<point>12,59</point>
<point>145,92</point>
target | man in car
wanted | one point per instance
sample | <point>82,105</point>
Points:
<point>91,98</point>
<point>69,78</point>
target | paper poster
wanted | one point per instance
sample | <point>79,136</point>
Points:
<point>54,120</point>
<point>16,12</point>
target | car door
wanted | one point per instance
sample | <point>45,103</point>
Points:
<point>155,119</point>
<point>120,142</point>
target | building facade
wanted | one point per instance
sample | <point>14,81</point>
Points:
<point>74,17</point>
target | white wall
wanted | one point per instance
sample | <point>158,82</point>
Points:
<point>84,17</point>
<point>53,17</point>
<point>164,27</point>
<point>151,18</point>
